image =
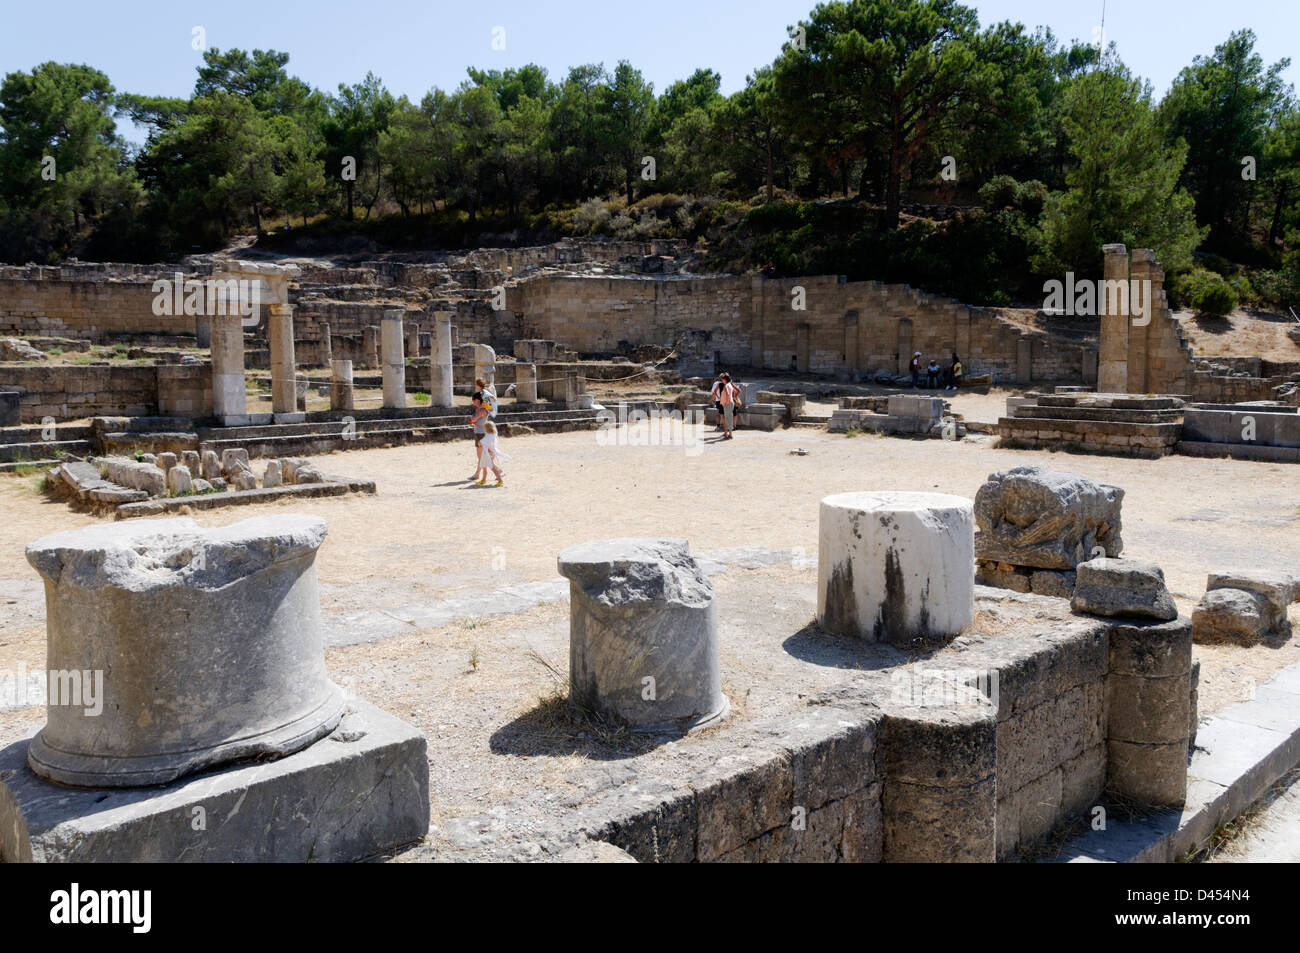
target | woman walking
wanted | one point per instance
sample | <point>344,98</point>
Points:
<point>478,420</point>
<point>727,397</point>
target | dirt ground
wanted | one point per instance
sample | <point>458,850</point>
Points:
<point>429,535</point>
<point>1241,334</point>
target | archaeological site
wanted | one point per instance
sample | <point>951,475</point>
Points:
<point>829,519</point>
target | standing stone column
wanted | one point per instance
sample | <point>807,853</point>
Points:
<point>1141,270</point>
<point>413,342</point>
<point>573,386</point>
<point>394,360</point>
<point>203,330</point>
<point>284,400</point>
<point>526,383</point>
<point>440,350</point>
<point>643,644</point>
<point>1149,698</point>
<point>229,401</point>
<point>199,646</point>
<point>896,567</point>
<point>341,395</point>
<point>370,344</point>
<point>327,346</point>
<point>1112,357</point>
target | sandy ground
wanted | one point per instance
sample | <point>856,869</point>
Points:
<point>1241,334</point>
<point>429,535</point>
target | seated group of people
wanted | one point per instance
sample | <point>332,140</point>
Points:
<point>951,375</point>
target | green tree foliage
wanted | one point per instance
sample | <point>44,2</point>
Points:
<point>1222,107</point>
<point>1124,186</point>
<point>63,169</point>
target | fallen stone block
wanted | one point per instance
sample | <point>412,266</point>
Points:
<point>1276,591</point>
<point>232,461</point>
<point>179,481</point>
<point>1122,587</point>
<point>1046,519</point>
<point>1230,615</point>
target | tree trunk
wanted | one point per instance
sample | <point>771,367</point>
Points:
<point>895,174</point>
<point>1275,228</point>
<point>768,148</point>
<point>351,184</point>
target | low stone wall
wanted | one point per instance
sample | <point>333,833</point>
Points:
<point>71,391</point>
<point>83,309</point>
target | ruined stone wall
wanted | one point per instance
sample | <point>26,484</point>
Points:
<point>67,392</point>
<point>57,307</point>
<point>846,327</point>
<point>184,390</point>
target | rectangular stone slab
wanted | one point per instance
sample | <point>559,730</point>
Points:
<point>357,792</point>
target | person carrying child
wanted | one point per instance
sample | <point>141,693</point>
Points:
<point>491,455</point>
<point>478,420</point>
<point>489,396</point>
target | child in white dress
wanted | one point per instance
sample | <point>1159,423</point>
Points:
<point>491,455</point>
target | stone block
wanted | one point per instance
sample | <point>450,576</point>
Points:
<point>740,797</point>
<point>1277,590</point>
<point>1152,775</point>
<point>179,481</point>
<point>1230,615</point>
<point>233,461</point>
<point>1151,649</point>
<point>924,824</point>
<point>1148,710</point>
<point>360,791</point>
<point>272,476</point>
<point>1047,582</point>
<point>210,466</point>
<point>1122,587</point>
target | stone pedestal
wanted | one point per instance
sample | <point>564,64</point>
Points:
<point>440,350</point>
<point>643,644</point>
<point>1149,698</point>
<point>229,402</point>
<point>394,360</point>
<point>370,344</point>
<point>361,791</point>
<point>896,567</point>
<point>526,383</point>
<point>202,646</point>
<point>341,393</point>
<point>413,342</point>
<point>283,367</point>
<point>574,385</point>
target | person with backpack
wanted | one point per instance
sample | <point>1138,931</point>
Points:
<point>916,370</point>
<point>478,420</point>
<point>489,396</point>
<point>727,396</point>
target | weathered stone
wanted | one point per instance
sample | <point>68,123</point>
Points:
<point>133,475</point>
<point>233,461</point>
<point>1046,582</point>
<point>211,466</point>
<point>272,476</point>
<point>190,459</point>
<point>360,791</point>
<point>306,473</point>
<point>218,484</point>
<point>990,574</point>
<point>896,567</point>
<point>166,461</point>
<point>643,645</point>
<point>202,486</point>
<point>1230,615</point>
<point>1046,519</point>
<point>1122,587</point>
<point>245,480</point>
<point>1276,591</point>
<point>172,702</point>
<point>179,480</point>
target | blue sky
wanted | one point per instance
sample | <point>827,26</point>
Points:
<point>146,46</point>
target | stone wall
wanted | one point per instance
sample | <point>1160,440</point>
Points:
<point>184,390</point>
<point>847,327</point>
<point>58,307</point>
<point>67,392</point>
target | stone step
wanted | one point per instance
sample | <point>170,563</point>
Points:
<point>327,427</point>
<point>13,465</point>
<point>1121,415</point>
<point>286,445</point>
<point>24,453</point>
<point>33,433</point>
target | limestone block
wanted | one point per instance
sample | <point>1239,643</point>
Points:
<point>272,476</point>
<point>233,461</point>
<point>895,566</point>
<point>245,480</point>
<point>211,466</point>
<point>202,486</point>
<point>207,643</point>
<point>1047,519</point>
<point>1122,587</point>
<point>179,480</point>
<point>1045,582</point>
<point>306,473</point>
<point>1230,615</point>
<point>218,484</point>
<point>1276,590</point>
<point>166,461</point>
<point>190,458</point>
<point>643,645</point>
